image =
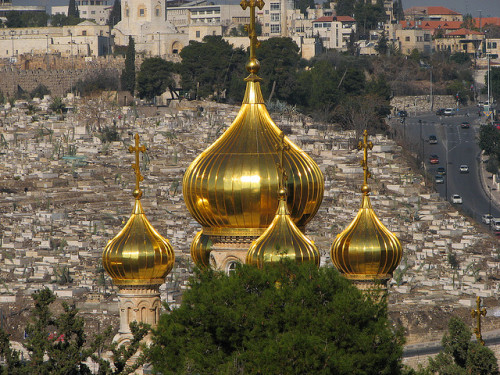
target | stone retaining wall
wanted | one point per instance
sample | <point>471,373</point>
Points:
<point>422,103</point>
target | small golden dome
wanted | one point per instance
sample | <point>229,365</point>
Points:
<point>138,255</point>
<point>366,249</point>
<point>282,240</point>
<point>200,249</point>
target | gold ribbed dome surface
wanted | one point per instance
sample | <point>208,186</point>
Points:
<point>231,187</point>
<point>282,239</point>
<point>200,249</point>
<point>138,255</point>
<point>366,249</point>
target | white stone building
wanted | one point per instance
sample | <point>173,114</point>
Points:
<point>335,31</point>
<point>95,10</point>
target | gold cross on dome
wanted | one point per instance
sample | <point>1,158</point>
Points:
<point>365,145</point>
<point>477,314</point>
<point>252,34</point>
<point>135,166</point>
<point>281,147</point>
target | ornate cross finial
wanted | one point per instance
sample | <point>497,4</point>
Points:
<point>477,314</point>
<point>138,176</point>
<point>281,147</point>
<point>253,65</point>
<point>365,145</point>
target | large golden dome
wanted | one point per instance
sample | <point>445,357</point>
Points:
<point>138,255</point>
<point>282,240</point>
<point>231,187</point>
<point>366,249</point>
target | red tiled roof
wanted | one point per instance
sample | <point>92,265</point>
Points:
<point>487,21</point>
<point>464,32</point>
<point>335,18</point>
<point>440,10</point>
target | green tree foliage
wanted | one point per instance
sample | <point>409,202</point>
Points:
<point>128,73</point>
<point>492,30</point>
<point>398,10</point>
<point>345,8</point>
<point>104,80</point>
<point>468,22</point>
<point>73,9</point>
<point>369,15</point>
<point>494,82</point>
<point>460,355</point>
<point>155,77</point>
<point>56,344</point>
<point>460,58</point>
<point>279,58</point>
<point>382,45</point>
<point>40,91</point>
<point>208,67</point>
<point>116,14</point>
<point>57,105</point>
<point>285,319</point>
<point>489,141</point>
<point>17,19</point>
<point>303,5</point>
<point>58,20</point>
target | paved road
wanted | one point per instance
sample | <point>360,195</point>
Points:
<point>456,146</point>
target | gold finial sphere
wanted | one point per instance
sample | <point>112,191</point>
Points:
<point>137,193</point>
<point>365,189</point>
<point>253,66</point>
<point>282,193</point>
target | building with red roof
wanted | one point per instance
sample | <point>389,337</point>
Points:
<point>432,13</point>
<point>461,40</point>
<point>334,31</point>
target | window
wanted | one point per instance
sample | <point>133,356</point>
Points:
<point>275,17</point>
<point>127,12</point>
<point>407,38</point>
<point>267,11</point>
<point>157,12</point>
<point>327,24</point>
<point>198,33</point>
<point>275,6</point>
<point>213,33</point>
<point>142,12</point>
<point>92,12</point>
<point>231,266</point>
<point>419,39</point>
<point>427,37</point>
<point>84,12</point>
<point>275,29</point>
<point>84,33</point>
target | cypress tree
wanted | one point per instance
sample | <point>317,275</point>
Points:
<point>128,73</point>
<point>73,9</point>
<point>116,14</point>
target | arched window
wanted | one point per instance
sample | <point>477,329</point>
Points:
<point>231,266</point>
<point>158,11</point>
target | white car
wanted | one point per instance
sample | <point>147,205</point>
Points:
<point>464,168</point>
<point>486,218</point>
<point>456,199</point>
<point>449,112</point>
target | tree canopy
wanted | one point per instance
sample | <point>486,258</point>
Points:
<point>285,319</point>
<point>115,15</point>
<point>155,77</point>
<point>128,73</point>
<point>17,19</point>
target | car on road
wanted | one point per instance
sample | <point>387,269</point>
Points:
<point>495,224</point>
<point>441,171</point>
<point>496,124</point>
<point>440,112</point>
<point>433,139</point>
<point>486,218</point>
<point>464,168</point>
<point>434,159</point>
<point>465,125</point>
<point>439,179</point>
<point>449,112</point>
<point>456,199</point>
<point>402,114</point>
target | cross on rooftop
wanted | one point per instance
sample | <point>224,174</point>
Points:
<point>281,147</point>
<point>365,145</point>
<point>477,314</point>
<point>136,167</point>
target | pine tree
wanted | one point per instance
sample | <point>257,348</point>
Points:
<point>73,9</point>
<point>128,73</point>
<point>116,14</point>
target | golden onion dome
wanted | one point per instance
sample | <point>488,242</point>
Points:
<point>138,255</point>
<point>200,249</point>
<point>230,188</point>
<point>366,249</point>
<point>282,240</point>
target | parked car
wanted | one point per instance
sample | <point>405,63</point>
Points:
<point>433,139</point>
<point>456,199</point>
<point>402,114</point>
<point>449,112</point>
<point>496,124</point>
<point>440,112</point>
<point>441,171</point>
<point>465,125</point>
<point>434,159</point>
<point>486,218</point>
<point>439,179</point>
<point>495,224</point>
<point>464,168</point>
